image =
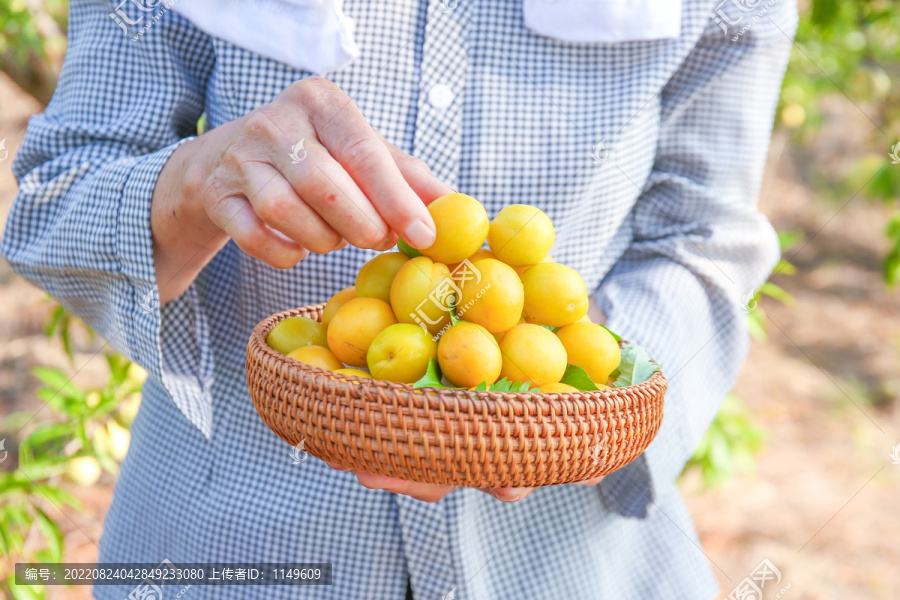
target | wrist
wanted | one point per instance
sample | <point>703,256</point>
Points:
<point>184,238</point>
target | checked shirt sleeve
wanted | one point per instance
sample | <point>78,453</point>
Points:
<point>699,243</point>
<point>80,226</point>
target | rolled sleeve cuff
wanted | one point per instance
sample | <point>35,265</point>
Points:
<point>172,342</point>
<point>700,343</point>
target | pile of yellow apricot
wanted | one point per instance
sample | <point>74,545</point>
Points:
<point>506,311</point>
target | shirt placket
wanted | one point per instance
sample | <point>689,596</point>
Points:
<point>439,121</point>
<point>437,141</point>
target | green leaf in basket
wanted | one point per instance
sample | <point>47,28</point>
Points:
<point>553,329</point>
<point>481,387</point>
<point>453,318</point>
<point>432,377</point>
<point>407,249</point>
<point>501,385</point>
<point>524,386</point>
<point>513,387</point>
<point>612,333</point>
<point>636,366</point>
<point>578,379</point>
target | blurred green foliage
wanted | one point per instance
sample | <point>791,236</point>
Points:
<point>33,43</point>
<point>756,314</point>
<point>850,49</point>
<point>729,446</point>
<point>78,435</point>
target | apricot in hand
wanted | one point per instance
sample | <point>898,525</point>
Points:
<point>462,226</point>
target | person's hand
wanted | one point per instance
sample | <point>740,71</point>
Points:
<point>248,180</point>
<point>429,492</point>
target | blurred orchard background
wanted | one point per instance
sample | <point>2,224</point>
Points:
<point>802,464</point>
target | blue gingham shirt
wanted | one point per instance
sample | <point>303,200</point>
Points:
<point>647,156</point>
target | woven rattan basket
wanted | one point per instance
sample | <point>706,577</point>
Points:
<point>455,437</point>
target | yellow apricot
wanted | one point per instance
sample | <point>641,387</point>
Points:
<point>461,225</point>
<point>356,372</point>
<point>375,277</point>
<point>492,296</point>
<point>354,327</point>
<point>422,293</point>
<point>555,295</point>
<point>294,332</point>
<point>559,388</point>
<point>401,353</point>
<point>521,235</point>
<point>532,353</point>
<point>592,348</point>
<point>316,356</point>
<point>338,300</point>
<point>468,354</point>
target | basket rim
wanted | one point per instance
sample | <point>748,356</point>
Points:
<point>257,344</point>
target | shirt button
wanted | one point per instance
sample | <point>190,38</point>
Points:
<point>440,96</point>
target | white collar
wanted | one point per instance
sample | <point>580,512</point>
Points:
<point>309,35</point>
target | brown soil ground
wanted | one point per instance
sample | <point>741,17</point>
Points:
<point>822,503</point>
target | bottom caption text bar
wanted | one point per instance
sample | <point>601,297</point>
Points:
<point>168,574</point>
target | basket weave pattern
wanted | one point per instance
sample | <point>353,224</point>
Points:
<point>452,437</point>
